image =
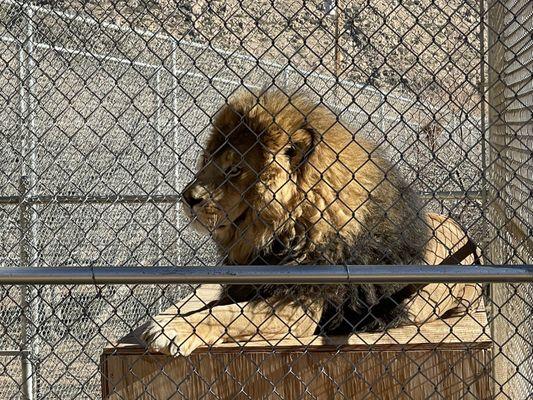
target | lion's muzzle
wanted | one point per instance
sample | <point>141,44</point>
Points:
<point>194,195</point>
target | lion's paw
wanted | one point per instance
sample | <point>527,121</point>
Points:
<point>179,336</point>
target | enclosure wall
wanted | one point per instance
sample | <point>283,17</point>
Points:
<point>510,174</point>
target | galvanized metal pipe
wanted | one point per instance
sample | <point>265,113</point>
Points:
<point>90,199</point>
<point>174,198</point>
<point>308,274</point>
<point>28,227</point>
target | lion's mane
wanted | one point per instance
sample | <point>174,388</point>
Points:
<point>323,194</point>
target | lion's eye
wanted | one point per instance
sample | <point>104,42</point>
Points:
<point>233,170</point>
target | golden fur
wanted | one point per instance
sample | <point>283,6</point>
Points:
<point>283,181</point>
<point>275,165</point>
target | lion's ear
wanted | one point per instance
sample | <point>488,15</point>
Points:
<point>300,147</point>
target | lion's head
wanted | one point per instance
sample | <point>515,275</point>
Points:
<point>281,174</point>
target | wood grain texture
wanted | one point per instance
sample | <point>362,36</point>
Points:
<point>444,358</point>
<point>449,374</point>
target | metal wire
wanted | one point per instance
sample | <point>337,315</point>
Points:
<point>105,108</point>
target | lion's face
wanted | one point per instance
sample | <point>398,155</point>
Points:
<point>216,199</point>
<point>279,169</point>
<point>247,185</point>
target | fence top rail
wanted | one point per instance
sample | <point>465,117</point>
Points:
<point>275,274</point>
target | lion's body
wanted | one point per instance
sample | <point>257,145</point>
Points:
<point>336,199</point>
<point>283,181</point>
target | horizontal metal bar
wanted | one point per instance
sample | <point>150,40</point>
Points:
<point>452,195</point>
<point>90,199</point>
<point>246,274</point>
<point>13,353</point>
<point>108,58</point>
<point>174,198</point>
<point>98,56</point>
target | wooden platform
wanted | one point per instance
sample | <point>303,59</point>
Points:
<point>447,359</point>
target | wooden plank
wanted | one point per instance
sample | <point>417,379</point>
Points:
<point>450,357</point>
<point>446,356</point>
<point>311,375</point>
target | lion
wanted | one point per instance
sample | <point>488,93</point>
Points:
<point>283,181</point>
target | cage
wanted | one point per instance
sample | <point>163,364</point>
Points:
<point>105,108</point>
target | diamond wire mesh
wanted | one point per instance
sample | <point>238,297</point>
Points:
<point>101,101</point>
<point>510,173</point>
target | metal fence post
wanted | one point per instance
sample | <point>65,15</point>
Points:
<point>160,181</point>
<point>484,139</point>
<point>175,128</point>
<point>25,293</point>
<point>27,221</point>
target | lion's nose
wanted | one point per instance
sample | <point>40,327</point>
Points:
<point>192,196</point>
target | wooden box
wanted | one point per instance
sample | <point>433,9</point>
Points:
<point>444,359</point>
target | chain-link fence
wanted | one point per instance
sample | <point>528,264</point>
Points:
<point>322,128</point>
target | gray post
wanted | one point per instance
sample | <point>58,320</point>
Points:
<point>175,123</point>
<point>27,220</point>
<point>484,139</point>
<point>160,181</point>
<point>25,292</point>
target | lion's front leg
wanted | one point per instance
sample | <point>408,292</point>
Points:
<point>177,335</point>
